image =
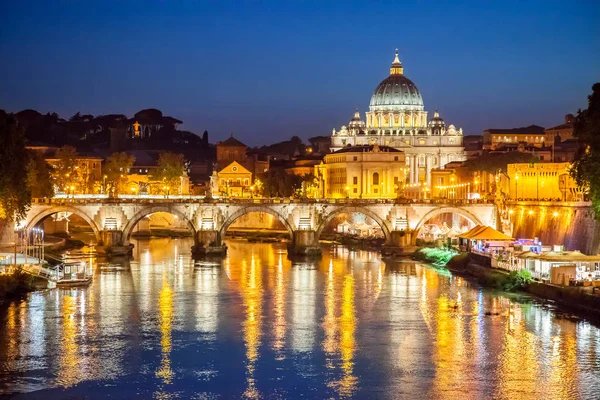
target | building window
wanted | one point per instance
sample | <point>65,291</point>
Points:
<point>222,181</point>
<point>395,158</point>
<point>375,180</point>
<point>234,169</point>
<point>355,190</point>
<point>451,140</point>
<point>541,158</point>
<point>355,158</point>
<point>421,142</point>
<point>246,182</point>
<point>375,190</point>
<point>395,180</point>
<point>355,180</point>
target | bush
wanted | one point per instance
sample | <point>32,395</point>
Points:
<point>15,284</point>
<point>435,255</point>
<point>517,280</point>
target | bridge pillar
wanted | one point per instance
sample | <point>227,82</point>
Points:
<point>208,242</point>
<point>399,242</point>
<point>112,239</point>
<point>304,243</point>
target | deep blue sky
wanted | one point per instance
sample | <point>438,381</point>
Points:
<point>270,70</point>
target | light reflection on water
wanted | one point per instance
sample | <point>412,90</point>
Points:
<point>257,325</point>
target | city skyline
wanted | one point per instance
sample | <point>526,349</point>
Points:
<point>294,69</point>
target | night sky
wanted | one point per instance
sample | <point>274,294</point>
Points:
<point>269,70</point>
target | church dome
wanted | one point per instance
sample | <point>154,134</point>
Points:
<point>356,122</point>
<point>396,92</point>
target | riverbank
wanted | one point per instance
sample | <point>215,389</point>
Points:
<point>17,285</point>
<point>574,299</point>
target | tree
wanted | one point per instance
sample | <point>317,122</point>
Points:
<point>15,196</point>
<point>278,183</point>
<point>39,181</point>
<point>116,168</point>
<point>493,162</point>
<point>586,167</point>
<point>170,169</point>
<point>65,174</point>
<point>205,140</point>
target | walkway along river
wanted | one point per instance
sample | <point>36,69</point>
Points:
<point>258,326</point>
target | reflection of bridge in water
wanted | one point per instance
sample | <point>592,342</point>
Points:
<point>113,220</point>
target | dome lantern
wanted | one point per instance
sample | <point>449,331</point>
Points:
<point>396,68</point>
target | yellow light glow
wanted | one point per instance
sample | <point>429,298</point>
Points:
<point>555,214</point>
<point>511,211</point>
<point>530,212</point>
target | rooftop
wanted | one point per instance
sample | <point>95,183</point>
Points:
<point>231,142</point>
<point>368,148</point>
<point>531,129</point>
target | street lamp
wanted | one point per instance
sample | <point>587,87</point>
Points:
<point>252,191</point>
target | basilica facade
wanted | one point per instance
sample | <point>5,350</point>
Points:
<point>397,118</point>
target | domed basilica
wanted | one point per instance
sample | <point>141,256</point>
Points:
<point>397,118</point>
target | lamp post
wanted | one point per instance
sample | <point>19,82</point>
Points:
<point>104,184</point>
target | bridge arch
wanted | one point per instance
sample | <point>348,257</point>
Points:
<point>446,210</point>
<point>355,209</point>
<point>144,212</point>
<point>230,219</point>
<point>39,217</point>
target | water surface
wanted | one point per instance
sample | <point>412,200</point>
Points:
<point>259,326</point>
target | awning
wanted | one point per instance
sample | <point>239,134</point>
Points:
<point>560,256</point>
<point>489,233</point>
<point>469,233</point>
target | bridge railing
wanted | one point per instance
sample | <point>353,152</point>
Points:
<point>267,200</point>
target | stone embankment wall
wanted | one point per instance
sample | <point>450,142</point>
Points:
<point>572,225</point>
<point>573,298</point>
<point>567,296</point>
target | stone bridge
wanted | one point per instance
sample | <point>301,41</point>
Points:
<point>113,220</point>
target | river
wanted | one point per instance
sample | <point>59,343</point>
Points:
<point>259,326</point>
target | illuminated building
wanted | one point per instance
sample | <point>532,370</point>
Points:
<point>563,131</point>
<point>233,150</point>
<point>397,118</point>
<point>234,181</point>
<point>362,172</point>
<point>533,134</point>
<point>543,181</point>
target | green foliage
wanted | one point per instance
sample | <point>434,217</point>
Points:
<point>15,284</point>
<point>15,196</point>
<point>435,255</point>
<point>64,173</point>
<point>170,169</point>
<point>586,168</point>
<point>116,168</point>
<point>278,183</point>
<point>39,181</point>
<point>517,280</point>
<point>493,162</point>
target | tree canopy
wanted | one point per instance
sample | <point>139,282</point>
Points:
<point>493,162</point>
<point>170,169</point>
<point>15,195</point>
<point>39,180</point>
<point>586,168</point>
<point>116,169</point>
